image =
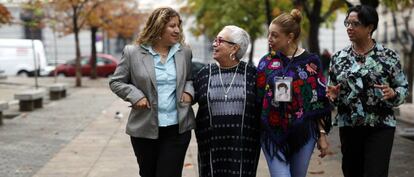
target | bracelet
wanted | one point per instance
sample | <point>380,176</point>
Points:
<point>322,131</point>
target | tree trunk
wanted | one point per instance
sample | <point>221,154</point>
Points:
<point>93,59</point>
<point>313,40</point>
<point>372,3</point>
<point>36,68</point>
<point>268,12</point>
<point>108,44</point>
<point>251,51</point>
<point>55,53</point>
<point>315,22</point>
<point>78,63</point>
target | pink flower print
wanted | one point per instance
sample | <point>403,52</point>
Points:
<point>269,93</point>
<point>311,68</point>
<point>275,64</point>
<point>299,113</point>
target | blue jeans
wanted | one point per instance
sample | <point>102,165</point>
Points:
<point>298,165</point>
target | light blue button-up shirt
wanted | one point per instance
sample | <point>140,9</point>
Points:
<point>166,77</point>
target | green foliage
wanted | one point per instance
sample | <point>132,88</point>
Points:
<point>336,5</point>
<point>213,15</point>
<point>33,14</point>
<point>250,15</point>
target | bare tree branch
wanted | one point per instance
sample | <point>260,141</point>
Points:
<point>333,7</point>
<point>348,3</point>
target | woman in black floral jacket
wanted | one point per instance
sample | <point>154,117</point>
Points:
<point>365,82</point>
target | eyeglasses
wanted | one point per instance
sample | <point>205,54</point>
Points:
<point>354,24</point>
<point>220,40</point>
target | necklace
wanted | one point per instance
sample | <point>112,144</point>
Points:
<point>226,90</point>
<point>163,55</point>
<point>293,55</point>
<point>361,57</point>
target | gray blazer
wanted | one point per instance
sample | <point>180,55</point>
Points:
<point>134,78</point>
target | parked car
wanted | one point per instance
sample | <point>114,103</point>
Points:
<point>105,66</point>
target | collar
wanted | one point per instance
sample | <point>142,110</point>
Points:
<point>176,47</point>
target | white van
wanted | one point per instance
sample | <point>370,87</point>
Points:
<point>16,57</point>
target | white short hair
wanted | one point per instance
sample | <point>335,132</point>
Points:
<point>240,37</point>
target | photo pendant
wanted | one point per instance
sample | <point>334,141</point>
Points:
<point>283,89</point>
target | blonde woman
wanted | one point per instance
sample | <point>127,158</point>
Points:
<point>294,123</point>
<point>154,76</point>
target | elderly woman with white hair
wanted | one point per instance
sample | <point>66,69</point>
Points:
<point>227,121</point>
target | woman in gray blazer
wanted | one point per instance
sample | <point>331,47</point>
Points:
<point>154,76</point>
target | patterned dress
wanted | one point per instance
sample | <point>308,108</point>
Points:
<point>359,102</point>
<point>288,126</point>
<point>227,128</point>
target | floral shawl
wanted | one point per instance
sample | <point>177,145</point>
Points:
<point>286,127</point>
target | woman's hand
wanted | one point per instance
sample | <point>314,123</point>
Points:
<point>142,104</point>
<point>332,92</point>
<point>322,145</point>
<point>186,98</point>
<point>387,91</point>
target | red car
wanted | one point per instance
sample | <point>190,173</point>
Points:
<point>105,66</point>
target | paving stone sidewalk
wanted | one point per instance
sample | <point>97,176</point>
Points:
<point>110,153</point>
<point>79,137</point>
<point>30,140</point>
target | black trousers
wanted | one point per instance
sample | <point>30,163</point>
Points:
<point>162,157</point>
<point>366,151</point>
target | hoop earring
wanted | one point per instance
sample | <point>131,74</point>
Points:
<point>232,57</point>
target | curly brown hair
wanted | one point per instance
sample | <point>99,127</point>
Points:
<point>156,24</point>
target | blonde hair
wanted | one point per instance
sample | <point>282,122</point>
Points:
<point>156,24</point>
<point>289,23</point>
